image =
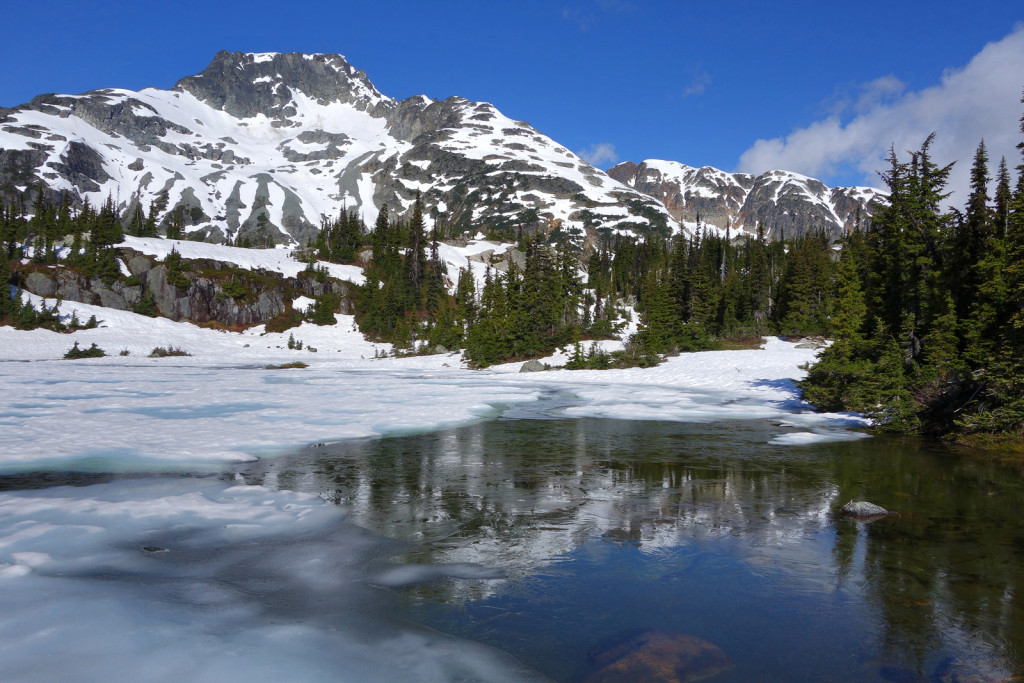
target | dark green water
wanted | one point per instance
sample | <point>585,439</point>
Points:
<point>603,527</point>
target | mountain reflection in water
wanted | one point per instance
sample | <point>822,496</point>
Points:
<point>596,527</point>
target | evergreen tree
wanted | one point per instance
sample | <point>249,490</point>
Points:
<point>7,304</point>
<point>136,224</point>
<point>944,295</point>
<point>105,233</point>
<point>175,272</point>
<point>416,257</point>
<point>971,237</point>
<point>804,289</point>
<point>379,237</point>
<point>850,311</point>
<point>436,291</point>
<point>759,280</point>
<point>659,321</point>
<point>465,298</point>
<point>487,340</point>
<point>322,310</point>
<point>1003,198</point>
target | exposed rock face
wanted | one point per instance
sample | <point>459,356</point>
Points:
<point>785,203</point>
<point>500,262</point>
<point>689,193</point>
<point>68,286</point>
<point>263,146</point>
<point>202,300</point>
<point>238,83</point>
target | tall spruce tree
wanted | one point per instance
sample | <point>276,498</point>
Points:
<point>7,302</point>
<point>416,256</point>
<point>1003,197</point>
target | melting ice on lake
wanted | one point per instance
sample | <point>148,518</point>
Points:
<point>189,578</point>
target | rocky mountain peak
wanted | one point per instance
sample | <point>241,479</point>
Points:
<point>261,148</point>
<point>785,203</point>
<point>245,84</point>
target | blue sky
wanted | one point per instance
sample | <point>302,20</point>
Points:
<point>820,88</point>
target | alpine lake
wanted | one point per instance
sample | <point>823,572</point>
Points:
<point>595,549</point>
<point>628,550</point>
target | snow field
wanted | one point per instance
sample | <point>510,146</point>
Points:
<point>193,578</point>
<point>161,580</point>
<point>222,403</point>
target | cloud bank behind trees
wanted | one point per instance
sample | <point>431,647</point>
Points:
<point>981,100</point>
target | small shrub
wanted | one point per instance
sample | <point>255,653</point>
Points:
<point>146,306</point>
<point>161,352</point>
<point>287,366</point>
<point>234,289</point>
<point>322,310</point>
<point>92,352</point>
<point>284,321</point>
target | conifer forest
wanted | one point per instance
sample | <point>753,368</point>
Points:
<point>924,301</point>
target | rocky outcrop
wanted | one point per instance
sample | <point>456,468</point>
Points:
<point>247,84</point>
<point>203,299</point>
<point>500,262</point>
<point>67,285</point>
<point>693,194</point>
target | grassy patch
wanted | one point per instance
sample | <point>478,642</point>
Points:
<point>287,366</point>
<point>742,344</point>
<point>1004,447</point>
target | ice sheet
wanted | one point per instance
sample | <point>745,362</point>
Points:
<point>227,401</point>
<point>198,579</point>
<point>174,580</point>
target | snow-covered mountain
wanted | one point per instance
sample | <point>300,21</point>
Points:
<point>266,145</point>
<point>784,202</point>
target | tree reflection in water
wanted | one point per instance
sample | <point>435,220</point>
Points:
<point>700,529</point>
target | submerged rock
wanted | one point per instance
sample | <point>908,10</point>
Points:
<point>862,508</point>
<point>655,656</point>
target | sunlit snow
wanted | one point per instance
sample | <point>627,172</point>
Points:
<point>156,576</point>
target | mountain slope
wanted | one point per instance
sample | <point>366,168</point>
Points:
<point>263,146</point>
<point>786,203</point>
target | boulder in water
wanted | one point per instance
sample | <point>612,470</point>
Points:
<point>655,656</point>
<point>862,508</point>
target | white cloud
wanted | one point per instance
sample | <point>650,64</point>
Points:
<point>698,84</point>
<point>597,154</point>
<point>979,100</point>
<point>884,90</point>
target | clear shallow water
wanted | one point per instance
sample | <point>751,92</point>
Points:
<point>601,528</point>
<point>546,539</point>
